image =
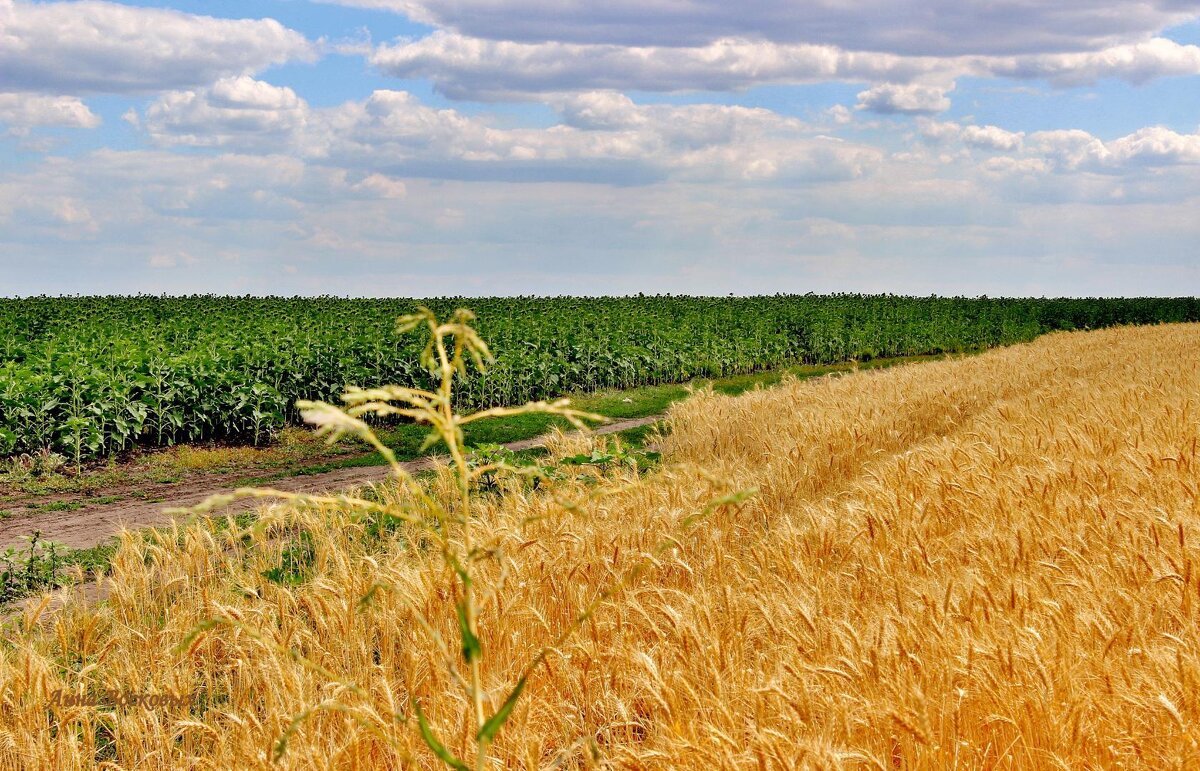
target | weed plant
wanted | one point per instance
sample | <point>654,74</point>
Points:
<point>979,563</point>
<point>448,520</point>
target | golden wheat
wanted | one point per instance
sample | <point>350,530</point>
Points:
<point>980,563</point>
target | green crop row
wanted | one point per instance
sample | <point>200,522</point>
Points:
<point>91,376</point>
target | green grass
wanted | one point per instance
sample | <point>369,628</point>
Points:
<point>72,505</point>
<point>616,405</point>
<point>299,453</point>
<point>406,442</point>
<point>42,565</point>
<point>94,560</point>
<point>81,363</point>
<point>50,570</point>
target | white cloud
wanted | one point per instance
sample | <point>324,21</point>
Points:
<point>600,110</point>
<point>906,228</point>
<point>101,47</point>
<point>74,214</point>
<point>21,112</point>
<point>226,185</point>
<point>170,259</point>
<point>604,137</point>
<point>1156,146</point>
<point>233,110</point>
<point>1136,63</point>
<point>980,137</point>
<point>910,27</point>
<point>381,186</point>
<point>475,68</point>
<point>628,196</point>
<point>1005,165</point>
<point>911,225</point>
<point>1069,150</point>
<point>691,125</point>
<point>839,114</point>
<point>910,99</point>
<point>992,138</point>
<point>939,132</point>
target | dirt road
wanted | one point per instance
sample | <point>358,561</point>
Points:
<point>92,525</point>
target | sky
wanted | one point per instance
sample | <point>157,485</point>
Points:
<point>508,147</point>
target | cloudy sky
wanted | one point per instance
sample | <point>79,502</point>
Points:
<point>417,147</point>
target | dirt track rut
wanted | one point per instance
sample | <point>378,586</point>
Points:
<point>89,526</point>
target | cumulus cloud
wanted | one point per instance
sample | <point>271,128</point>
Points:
<point>909,27</point>
<point>474,68</point>
<point>1136,63</point>
<point>839,114</point>
<point>73,214</point>
<point>600,110</point>
<point>906,50</point>
<point>21,112</point>
<point>464,67</point>
<point>280,185</point>
<point>602,137</point>
<point>1069,150</point>
<point>910,99</point>
<point>939,131</point>
<point>906,228</point>
<point>691,125</point>
<point>900,225</point>
<point>981,137</point>
<point>172,259</point>
<point>1006,166</point>
<point>380,186</point>
<point>1156,146</point>
<point>1153,146</point>
<point>992,138</point>
<point>605,137</point>
<point>121,197</point>
<point>101,47</point>
<point>233,110</point>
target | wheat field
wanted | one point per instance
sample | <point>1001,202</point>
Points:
<point>980,563</point>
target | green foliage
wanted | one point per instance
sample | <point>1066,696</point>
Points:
<point>486,460</point>
<point>448,520</point>
<point>86,377</point>
<point>295,563</point>
<point>497,721</point>
<point>23,570</point>
<point>613,457</point>
<point>42,565</point>
<point>435,744</point>
<point>31,465</point>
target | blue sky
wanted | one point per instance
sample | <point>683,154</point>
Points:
<point>417,147</point>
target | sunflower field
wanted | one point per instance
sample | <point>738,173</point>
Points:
<point>93,376</point>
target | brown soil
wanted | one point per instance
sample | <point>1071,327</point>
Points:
<point>92,525</point>
<point>151,491</point>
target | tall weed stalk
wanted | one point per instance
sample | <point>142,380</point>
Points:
<point>451,347</point>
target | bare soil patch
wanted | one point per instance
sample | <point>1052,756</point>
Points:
<point>88,526</point>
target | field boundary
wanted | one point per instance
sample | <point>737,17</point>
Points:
<point>87,527</point>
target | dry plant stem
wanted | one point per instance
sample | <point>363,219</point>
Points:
<point>448,426</point>
<point>437,410</point>
<point>449,435</point>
